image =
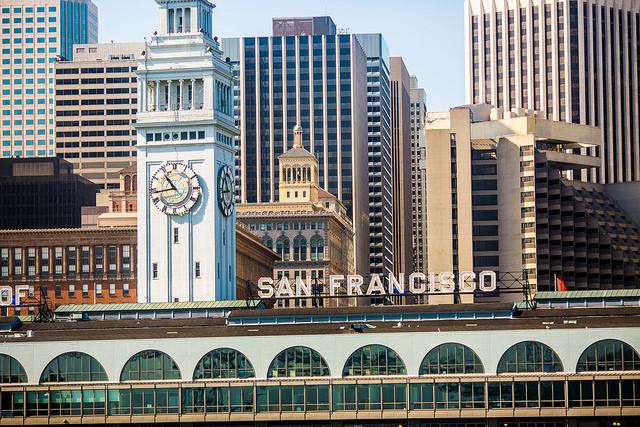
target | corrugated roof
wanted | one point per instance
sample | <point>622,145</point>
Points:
<point>596,294</point>
<point>182,305</point>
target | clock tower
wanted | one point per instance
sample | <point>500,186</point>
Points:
<point>185,127</point>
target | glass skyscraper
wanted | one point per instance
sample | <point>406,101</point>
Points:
<point>317,81</point>
<point>379,153</point>
<point>34,34</point>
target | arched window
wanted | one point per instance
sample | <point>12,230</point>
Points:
<point>150,365</point>
<point>530,356</point>
<point>73,367</point>
<point>451,358</point>
<point>317,248</point>
<point>134,183</point>
<point>283,247</point>
<point>223,363</point>
<point>608,355</point>
<point>300,249</point>
<point>11,371</point>
<point>127,183</point>
<point>298,362</point>
<point>374,360</point>
<point>268,242</point>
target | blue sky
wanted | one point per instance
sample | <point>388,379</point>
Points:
<point>428,34</point>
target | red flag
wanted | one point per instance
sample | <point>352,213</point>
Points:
<point>561,285</point>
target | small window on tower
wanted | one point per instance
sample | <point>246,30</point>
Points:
<point>176,235</point>
<point>197,269</point>
<point>201,134</point>
<point>155,270</point>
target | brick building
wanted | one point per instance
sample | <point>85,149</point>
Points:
<point>71,266</point>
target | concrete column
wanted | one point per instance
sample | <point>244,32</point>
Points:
<point>156,96</point>
<point>181,93</point>
<point>193,94</point>
<point>169,94</point>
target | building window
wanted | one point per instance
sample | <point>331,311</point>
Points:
<point>98,259</point>
<point>223,363</point>
<point>126,259</point>
<point>283,248</point>
<point>197,269</point>
<point>300,249</point>
<point>298,362</point>
<point>85,290</point>
<point>150,365</point>
<point>11,371</point>
<point>451,358</point>
<point>529,356</point>
<point>374,360</point>
<point>112,289</point>
<point>58,291</point>
<point>71,260</point>
<point>113,250</point>
<point>85,259</point>
<point>176,235</point>
<point>98,289</point>
<point>17,261</point>
<point>73,367</point>
<point>31,262</point>
<point>72,291</point>
<point>4,262</point>
<point>57,261</point>
<point>125,289</point>
<point>268,242</point>
<point>44,261</point>
<point>317,248</point>
<point>154,268</point>
<point>608,355</point>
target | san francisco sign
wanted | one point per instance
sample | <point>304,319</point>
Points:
<point>355,285</point>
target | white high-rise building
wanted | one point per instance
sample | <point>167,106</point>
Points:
<point>35,33</point>
<point>576,60</point>
<point>185,125</point>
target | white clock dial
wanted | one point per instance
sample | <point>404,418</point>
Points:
<point>175,188</point>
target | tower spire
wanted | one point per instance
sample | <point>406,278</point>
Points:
<point>297,136</point>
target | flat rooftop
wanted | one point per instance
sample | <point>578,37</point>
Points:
<point>557,318</point>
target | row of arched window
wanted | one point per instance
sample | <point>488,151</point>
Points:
<point>299,361</point>
<point>283,248</point>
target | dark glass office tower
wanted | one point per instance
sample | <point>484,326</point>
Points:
<point>319,82</point>
<point>380,153</point>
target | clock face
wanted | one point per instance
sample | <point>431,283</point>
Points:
<point>175,188</point>
<point>226,196</point>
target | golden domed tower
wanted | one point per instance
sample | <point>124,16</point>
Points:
<point>298,172</point>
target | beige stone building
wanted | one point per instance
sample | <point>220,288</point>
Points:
<point>308,227</point>
<point>498,199</point>
<point>96,106</point>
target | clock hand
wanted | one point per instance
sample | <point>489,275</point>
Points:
<point>173,187</point>
<point>162,191</point>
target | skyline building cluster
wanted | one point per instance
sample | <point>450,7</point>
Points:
<point>365,119</point>
<point>169,303</point>
<point>308,74</point>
